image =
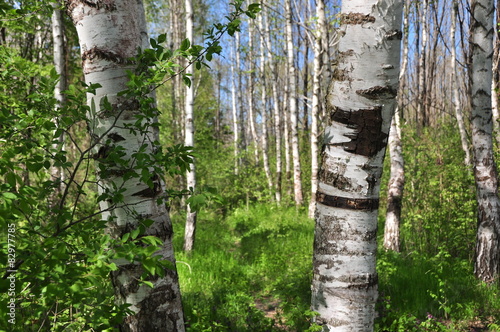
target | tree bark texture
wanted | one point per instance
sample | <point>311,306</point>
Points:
<point>360,106</point>
<point>487,260</point>
<point>292,90</point>
<point>397,172</point>
<point>316,99</point>
<point>190,230</point>
<point>456,99</point>
<point>110,33</point>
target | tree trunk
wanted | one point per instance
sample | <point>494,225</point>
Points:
<point>57,173</point>
<point>276,107</point>
<point>190,230</point>
<point>109,34</point>
<point>360,106</point>
<point>487,260</point>
<point>292,90</point>
<point>316,97</point>
<point>421,105</point>
<point>456,99</point>
<point>397,176</point>
<point>235,105</point>
<point>264,142</point>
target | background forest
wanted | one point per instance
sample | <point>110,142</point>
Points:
<point>240,198</point>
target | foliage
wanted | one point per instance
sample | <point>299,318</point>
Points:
<point>254,262</point>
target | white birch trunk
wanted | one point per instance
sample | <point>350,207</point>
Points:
<point>456,99</point>
<point>316,96</point>
<point>276,107</point>
<point>360,106</point>
<point>234,100</point>
<point>421,106</point>
<point>292,90</point>
<point>110,33</point>
<point>487,260</point>
<point>57,173</point>
<point>190,230</point>
<point>264,142</point>
<point>397,175</point>
<point>251,91</point>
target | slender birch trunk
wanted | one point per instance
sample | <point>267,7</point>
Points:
<point>110,33</point>
<point>292,90</point>
<point>264,142</point>
<point>57,173</point>
<point>276,107</point>
<point>454,85</point>
<point>190,230</point>
<point>397,176</point>
<point>360,105</point>
<point>421,105</point>
<point>251,92</point>
<point>487,260</point>
<point>316,96</point>
<point>234,99</point>
<point>495,84</point>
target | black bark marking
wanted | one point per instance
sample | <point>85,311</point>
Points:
<point>360,204</point>
<point>102,153</point>
<point>394,34</point>
<point>116,137</point>
<point>356,18</point>
<point>368,138</point>
<point>96,52</point>
<point>149,192</point>
<point>108,5</point>
<point>378,92</point>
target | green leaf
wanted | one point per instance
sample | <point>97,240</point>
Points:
<point>185,45</point>
<point>162,38</point>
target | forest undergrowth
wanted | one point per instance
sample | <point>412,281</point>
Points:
<point>252,266</point>
<point>251,271</point>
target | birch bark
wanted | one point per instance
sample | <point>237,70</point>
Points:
<point>292,90</point>
<point>110,33</point>
<point>397,176</point>
<point>360,106</point>
<point>487,260</point>
<point>456,99</point>
<point>316,97</point>
<point>190,230</point>
<point>57,173</point>
<point>276,106</point>
<point>264,142</point>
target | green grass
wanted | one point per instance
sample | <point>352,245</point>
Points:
<point>250,263</point>
<point>257,262</point>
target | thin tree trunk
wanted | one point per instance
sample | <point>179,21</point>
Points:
<point>421,105</point>
<point>106,44</point>
<point>190,230</point>
<point>292,90</point>
<point>316,97</point>
<point>360,106</point>
<point>234,97</point>
<point>456,99</point>
<point>57,173</point>
<point>397,176</point>
<point>487,260</point>
<point>276,108</point>
<point>264,142</point>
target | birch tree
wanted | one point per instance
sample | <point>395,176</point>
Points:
<point>189,233</point>
<point>487,260</point>
<point>110,33</point>
<point>292,98</point>
<point>360,106</point>
<point>316,98</point>
<point>456,98</point>
<point>397,175</point>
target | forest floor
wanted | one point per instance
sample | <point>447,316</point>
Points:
<point>251,271</point>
